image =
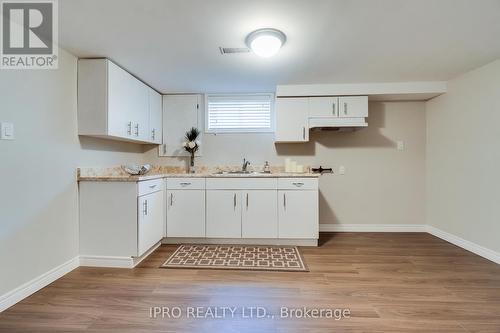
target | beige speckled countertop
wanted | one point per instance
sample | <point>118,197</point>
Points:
<point>116,174</point>
<point>194,175</point>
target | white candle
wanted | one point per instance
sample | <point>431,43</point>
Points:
<point>287,164</point>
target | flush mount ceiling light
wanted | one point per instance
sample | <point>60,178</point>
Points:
<point>265,42</point>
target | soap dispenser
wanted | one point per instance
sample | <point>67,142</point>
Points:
<point>267,168</point>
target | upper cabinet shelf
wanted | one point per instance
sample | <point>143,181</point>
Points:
<point>387,91</point>
<point>114,104</point>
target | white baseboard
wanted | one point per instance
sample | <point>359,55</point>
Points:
<point>372,228</point>
<point>106,261</point>
<point>243,241</point>
<point>465,244</point>
<point>115,262</point>
<point>30,287</point>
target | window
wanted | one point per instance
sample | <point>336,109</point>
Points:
<point>239,113</point>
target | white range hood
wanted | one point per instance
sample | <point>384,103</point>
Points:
<point>333,123</point>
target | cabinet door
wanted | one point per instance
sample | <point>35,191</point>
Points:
<point>223,214</point>
<point>298,214</point>
<point>120,109</point>
<point>353,106</point>
<point>186,213</point>
<point>260,214</point>
<point>291,120</point>
<point>155,117</point>
<point>323,107</point>
<point>139,102</point>
<point>151,220</point>
<point>180,113</point>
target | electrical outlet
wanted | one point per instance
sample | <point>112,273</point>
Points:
<point>342,170</point>
<point>401,145</point>
<point>6,131</point>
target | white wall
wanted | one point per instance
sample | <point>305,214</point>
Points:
<point>463,157</point>
<point>381,186</point>
<point>38,189</point>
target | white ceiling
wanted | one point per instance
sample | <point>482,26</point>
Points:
<point>173,44</point>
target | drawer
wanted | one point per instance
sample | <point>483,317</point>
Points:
<point>242,184</point>
<point>186,183</point>
<point>150,186</point>
<point>298,183</point>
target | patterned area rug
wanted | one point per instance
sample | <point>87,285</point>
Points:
<point>247,257</point>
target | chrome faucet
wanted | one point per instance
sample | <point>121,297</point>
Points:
<point>245,165</point>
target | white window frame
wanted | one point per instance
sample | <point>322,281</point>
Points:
<point>241,130</point>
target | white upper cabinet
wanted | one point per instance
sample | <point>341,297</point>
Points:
<point>180,113</point>
<point>353,107</point>
<point>292,120</point>
<point>296,115</point>
<point>114,104</point>
<point>323,107</point>
<point>155,117</point>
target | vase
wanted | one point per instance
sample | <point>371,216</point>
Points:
<point>191,164</point>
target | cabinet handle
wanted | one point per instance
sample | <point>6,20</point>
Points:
<point>284,200</point>
<point>153,134</point>
<point>333,109</point>
<point>303,133</point>
<point>152,186</point>
<point>234,201</point>
<point>129,128</point>
<point>171,199</point>
<point>345,109</point>
<point>185,184</point>
<point>145,210</point>
<point>298,184</point>
<point>247,201</point>
<point>137,130</point>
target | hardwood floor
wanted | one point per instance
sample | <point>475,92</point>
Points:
<point>390,282</point>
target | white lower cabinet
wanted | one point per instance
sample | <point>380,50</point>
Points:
<point>150,221</point>
<point>120,220</point>
<point>260,214</point>
<point>298,208</point>
<point>185,213</point>
<point>224,213</point>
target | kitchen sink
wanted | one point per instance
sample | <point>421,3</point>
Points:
<point>239,173</point>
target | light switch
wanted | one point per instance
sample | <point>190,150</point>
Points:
<point>6,131</point>
<point>401,145</point>
<point>342,170</point>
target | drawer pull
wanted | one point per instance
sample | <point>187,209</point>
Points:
<point>185,184</point>
<point>298,184</point>
<point>171,199</point>
<point>152,186</point>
